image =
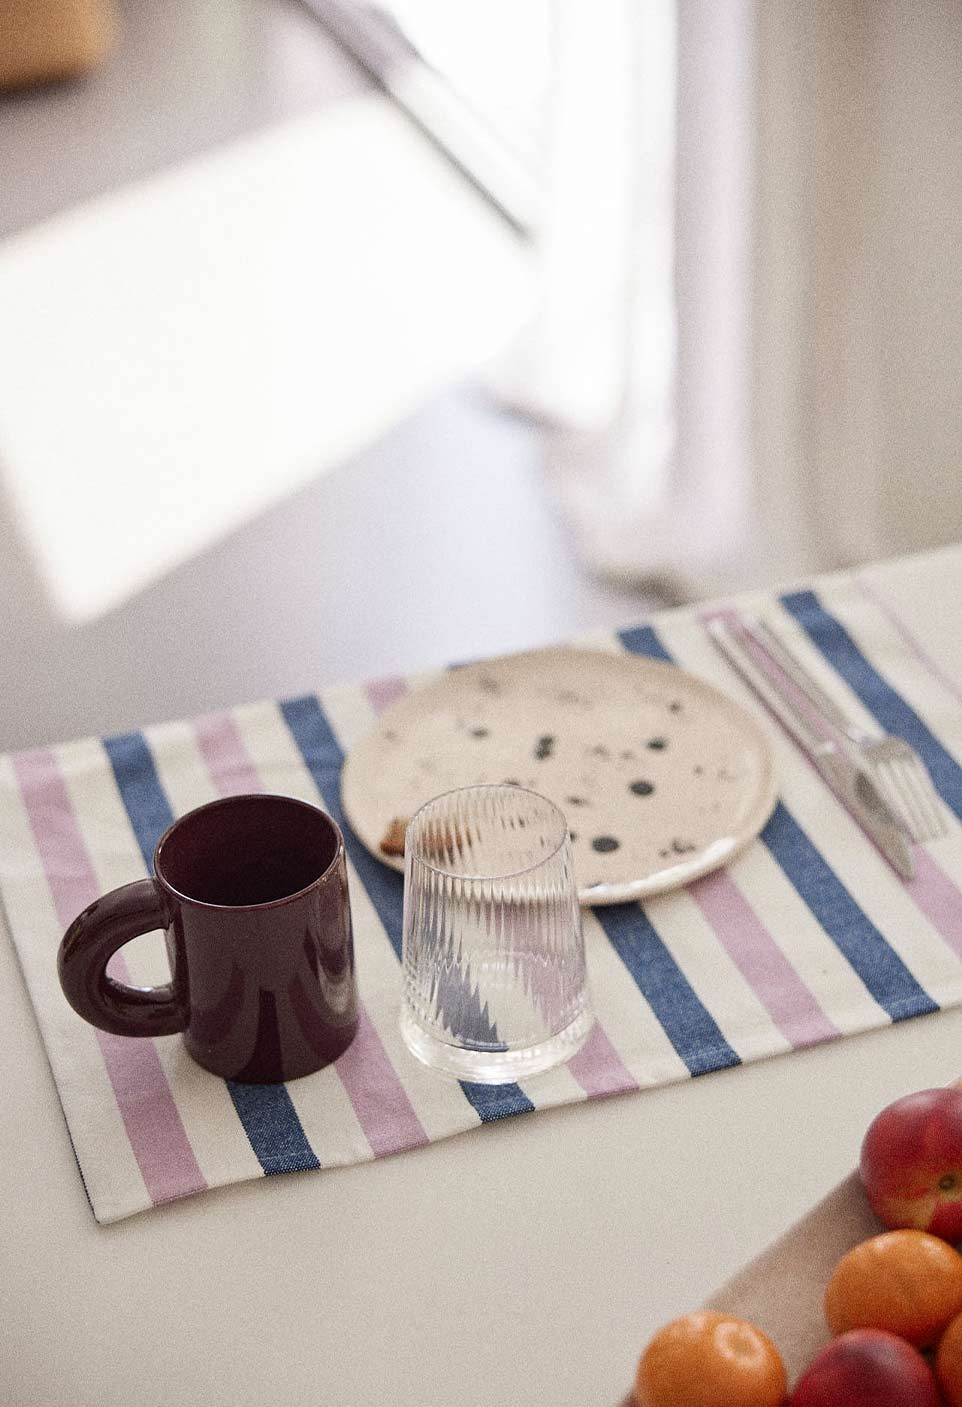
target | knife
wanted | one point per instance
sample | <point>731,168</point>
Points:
<point>797,714</point>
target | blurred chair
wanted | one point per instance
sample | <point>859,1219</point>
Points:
<point>42,40</point>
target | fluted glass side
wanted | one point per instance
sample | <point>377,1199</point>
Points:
<point>494,966</point>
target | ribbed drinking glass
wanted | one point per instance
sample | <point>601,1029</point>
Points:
<point>495,986</point>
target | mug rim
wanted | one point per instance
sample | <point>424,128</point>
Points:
<point>248,796</point>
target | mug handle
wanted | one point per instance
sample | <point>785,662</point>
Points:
<point>89,944</point>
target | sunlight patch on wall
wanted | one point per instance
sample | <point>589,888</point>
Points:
<point>178,356</point>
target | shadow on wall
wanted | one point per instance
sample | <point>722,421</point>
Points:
<point>434,545</point>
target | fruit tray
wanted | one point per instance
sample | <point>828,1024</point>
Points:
<point>782,1290</point>
<point>893,1300</point>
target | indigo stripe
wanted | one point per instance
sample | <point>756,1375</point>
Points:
<point>644,640</point>
<point>140,790</point>
<point>273,1127</point>
<point>687,1023</point>
<point>493,1102</point>
<point>267,1115</point>
<point>889,708</point>
<point>877,964</point>
<point>323,756</point>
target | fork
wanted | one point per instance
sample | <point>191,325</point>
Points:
<point>899,772</point>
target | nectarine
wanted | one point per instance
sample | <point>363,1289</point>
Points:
<point>867,1368</point>
<point>911,1163</point>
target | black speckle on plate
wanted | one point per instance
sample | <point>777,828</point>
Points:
<point>657,744</point>
<point>599,750</point>
<point>698,770</point>
<point>544,747</point>
<point>675,706</point>
<point>683,847</point>
<point>510,782</point>
<point>576,801</point>
<point>642,788</point>
<point>480,732</point>
<point>488,685</point>
<point>604,844</point>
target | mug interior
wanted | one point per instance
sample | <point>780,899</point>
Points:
<point>247,850</point>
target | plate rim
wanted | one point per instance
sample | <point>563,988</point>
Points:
<point>630,891</point>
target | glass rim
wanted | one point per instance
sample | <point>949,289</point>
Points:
<point>489,787</point>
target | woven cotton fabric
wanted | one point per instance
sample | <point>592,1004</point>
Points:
<point>808,936</point>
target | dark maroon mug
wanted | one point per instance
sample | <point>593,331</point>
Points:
<point>251,892</point>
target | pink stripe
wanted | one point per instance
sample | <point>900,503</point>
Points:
<point>787,999</point>
<point>909,639</point>
<point>938,898</point>
<point>598,1067</point>
<point>224,753</point>
<point>150,1115</point>
<point>382,1107</point>
<point>383,692</point>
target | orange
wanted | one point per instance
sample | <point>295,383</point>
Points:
<point>905,1281</point>
<point>948,1363</point>
<point>708,1359</point>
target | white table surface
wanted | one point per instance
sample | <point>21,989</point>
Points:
<point>523,1264</point>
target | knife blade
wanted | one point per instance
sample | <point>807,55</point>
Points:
<point>846,779</point>
<point>859,794</point>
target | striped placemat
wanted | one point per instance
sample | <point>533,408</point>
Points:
<point>807,937</point>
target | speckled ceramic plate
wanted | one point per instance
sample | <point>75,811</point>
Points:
<point>662,778</point>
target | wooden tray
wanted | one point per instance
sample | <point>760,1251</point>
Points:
<point>781,1290</point>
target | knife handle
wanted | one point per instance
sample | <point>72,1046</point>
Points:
<point>769,640</point>
<point>772,686</point>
